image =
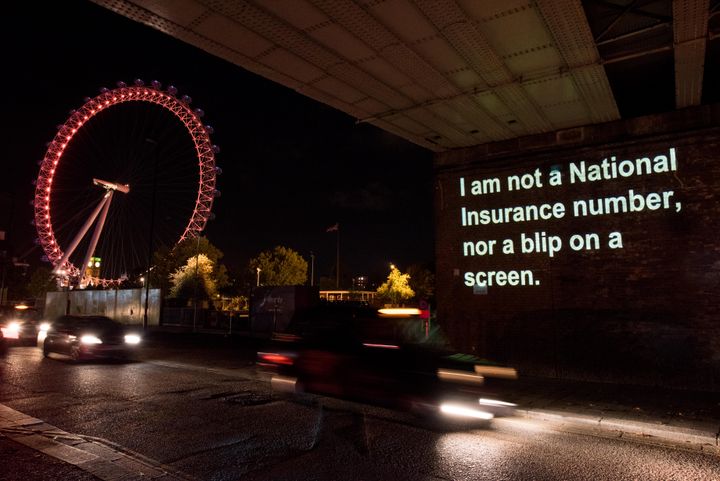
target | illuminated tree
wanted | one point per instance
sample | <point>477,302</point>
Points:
<point>169,259</point>
<point>194,279</point>
<point>280,267</point>
<point>397,288</point>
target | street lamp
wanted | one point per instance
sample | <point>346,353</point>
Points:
<point>153,147</point>
<point>258,276</point>
<point>312,269</point>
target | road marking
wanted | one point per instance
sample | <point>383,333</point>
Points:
<point>97,456</point>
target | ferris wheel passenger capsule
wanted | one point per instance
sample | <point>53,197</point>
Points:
<point>86,99</point>
<point>211,216</point>
<point>209,129</point>
<point>156,85</point>
<point>104,90</point>
<point>139,82</point>
<point>216,149</point>
<point>172,90</point>
<point>186,99</point>
<point>121,84</point>
<point>217,193</point>
<point>218,170</point>
<point>45,259</point>
<point>199,112</point>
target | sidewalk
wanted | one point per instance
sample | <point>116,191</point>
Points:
<point>62,455</point>
<point>664,415</point>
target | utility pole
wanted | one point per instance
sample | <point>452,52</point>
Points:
<point>195,295</point>
<point>153,144</point>
<point>312,269</point>
<point>337,273</point>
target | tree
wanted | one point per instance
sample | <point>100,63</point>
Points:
<point>194,279</point>
<point>167,260</point>
<point>41,281</point>
<point>396,289</point>
<point>280,267</point>
<point>422,281</point>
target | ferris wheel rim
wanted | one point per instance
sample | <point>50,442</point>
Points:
<point>204,151</point>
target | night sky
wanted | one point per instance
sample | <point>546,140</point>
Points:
<point>292,167</point>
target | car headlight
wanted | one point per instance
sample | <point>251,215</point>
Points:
<point>462,411</point>
<point>132,339</point>
<point>90,339</point>
<point>45,326</point>
<point>12,330</point>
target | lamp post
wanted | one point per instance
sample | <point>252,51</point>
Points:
<point>153,147</point>
<point>195,284</point>
<point>312,269</point>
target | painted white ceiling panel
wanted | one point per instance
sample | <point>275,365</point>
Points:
<point>233,35</point>
<point>292,65</point>
<point>402,18</point>
<point>341,42</point>
<point>181,12</point>
<point>300,14</point>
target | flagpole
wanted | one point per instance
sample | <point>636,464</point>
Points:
<point>336,229</point>
<point>337,273</point>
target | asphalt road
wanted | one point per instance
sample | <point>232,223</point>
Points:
<point>206,412</point>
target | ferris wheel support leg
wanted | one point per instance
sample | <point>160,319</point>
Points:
<point>73,245</point>
<point>96,234</point>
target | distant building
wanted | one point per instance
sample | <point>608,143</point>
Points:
<point>360,283</point>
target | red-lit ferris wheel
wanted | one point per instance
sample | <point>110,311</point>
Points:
<point>136,165</point>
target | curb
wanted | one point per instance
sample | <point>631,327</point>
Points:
<point>704,439</point>
<point>97,456</point>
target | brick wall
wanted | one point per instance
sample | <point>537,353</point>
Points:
<point>644,312</point>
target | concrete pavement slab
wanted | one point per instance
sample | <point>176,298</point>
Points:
<point>104,461</point>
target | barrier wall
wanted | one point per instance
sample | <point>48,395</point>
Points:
<point>124,305</point>
<point>589,253</point>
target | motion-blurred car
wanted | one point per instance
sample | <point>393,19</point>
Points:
<point>89,337</point>
<point>383,357</point>
<point>19,324</point>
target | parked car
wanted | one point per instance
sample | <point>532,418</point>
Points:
<point>19,324</point>
<point>382,357</point>
<point>89,337</point>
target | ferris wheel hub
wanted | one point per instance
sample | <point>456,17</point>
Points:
<point>124,188</point>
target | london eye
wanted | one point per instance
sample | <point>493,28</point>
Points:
<point>130,171</point>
